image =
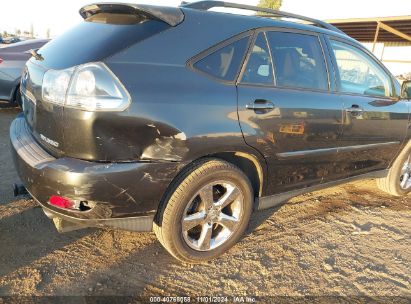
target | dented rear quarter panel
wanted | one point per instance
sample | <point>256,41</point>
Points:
<point>179,121</point>
<point>175,113</point>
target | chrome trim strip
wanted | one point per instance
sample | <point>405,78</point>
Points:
<point>306,153</point>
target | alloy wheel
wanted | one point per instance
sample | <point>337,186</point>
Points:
<point>405,178</point>
<point>212,215</point>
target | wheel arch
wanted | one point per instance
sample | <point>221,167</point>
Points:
<point>250,164</point>
<point>13,97</point>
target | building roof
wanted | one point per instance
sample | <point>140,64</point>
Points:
<point>388,29</point>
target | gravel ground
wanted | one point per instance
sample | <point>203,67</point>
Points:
<point>349,241</point>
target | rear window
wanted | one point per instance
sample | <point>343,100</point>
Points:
<point>225,62</point>
<point>298,60</point>
<point>99,37</point>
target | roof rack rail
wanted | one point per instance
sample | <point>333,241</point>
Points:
<point>207,4</point>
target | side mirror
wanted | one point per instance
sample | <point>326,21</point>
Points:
<point>406,90</point>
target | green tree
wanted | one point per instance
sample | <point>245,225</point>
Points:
<point>272,4</point>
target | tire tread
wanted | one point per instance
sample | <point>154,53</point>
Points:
<point>161,226</point>
<point>390,184</point>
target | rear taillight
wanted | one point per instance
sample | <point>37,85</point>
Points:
<point>55,85</point>
<point>90,87</point>
<point>1,60</point>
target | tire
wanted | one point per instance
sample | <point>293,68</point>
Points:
<point>189,198</point>
<point>391,184</point>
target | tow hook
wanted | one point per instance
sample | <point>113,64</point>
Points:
<point>19,189</point>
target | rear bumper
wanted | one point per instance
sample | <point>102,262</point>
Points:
<point>121,192</point>
<point>139,223</point>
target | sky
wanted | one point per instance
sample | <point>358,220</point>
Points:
<point>60,15</point>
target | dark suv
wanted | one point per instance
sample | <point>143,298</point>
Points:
<point>184,120</point>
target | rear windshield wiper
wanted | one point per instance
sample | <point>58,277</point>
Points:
<point>36,55</point>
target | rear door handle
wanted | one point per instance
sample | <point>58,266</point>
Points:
<point>260,104</point>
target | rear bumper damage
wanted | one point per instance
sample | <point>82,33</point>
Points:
<point>120,195</point>
<point>66,223</point>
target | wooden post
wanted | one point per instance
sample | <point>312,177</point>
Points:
<point>377,31</point>
<point>394,31</point>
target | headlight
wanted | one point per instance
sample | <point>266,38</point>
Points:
<point>90,87</point>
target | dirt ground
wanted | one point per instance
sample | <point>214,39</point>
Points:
<point>351,240</point>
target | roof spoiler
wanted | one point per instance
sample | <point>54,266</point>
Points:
<point>170,15</point>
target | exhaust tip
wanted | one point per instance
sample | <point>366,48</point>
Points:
<point>19,189</point>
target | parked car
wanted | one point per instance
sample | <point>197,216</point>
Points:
<point>12,61</point>
<point>187,122</point>
<point>11,40</point>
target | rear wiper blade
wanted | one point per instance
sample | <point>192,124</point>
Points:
<point>36,55</point>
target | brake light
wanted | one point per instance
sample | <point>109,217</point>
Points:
<point>89,87</point>
<point>1,60</point>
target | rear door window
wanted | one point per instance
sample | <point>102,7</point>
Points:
<point>259,69</point>
<point>298,60</point>
<point>224,63</point>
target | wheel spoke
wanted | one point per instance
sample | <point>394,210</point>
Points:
<point>407,167</point>
<point>405,183</point>
<point>206,195</point>
<point>217,204</point>
<point>406,174</point>
<point>193,220</point>
<point>231,195</point>
<point>228,221</point>
<point>204,242</point>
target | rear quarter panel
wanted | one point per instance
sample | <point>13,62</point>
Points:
<point>186,115</point>
<point>175,114</point>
